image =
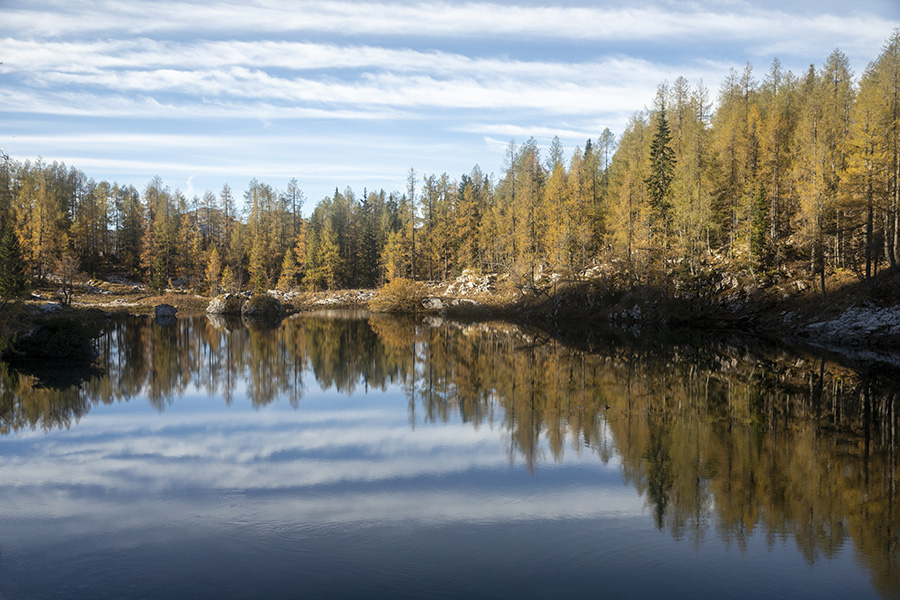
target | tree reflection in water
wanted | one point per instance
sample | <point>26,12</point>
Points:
<point>721,437</point>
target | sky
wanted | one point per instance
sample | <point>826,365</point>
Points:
<point>339,93</point>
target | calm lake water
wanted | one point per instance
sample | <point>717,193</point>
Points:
<point>355,456</point>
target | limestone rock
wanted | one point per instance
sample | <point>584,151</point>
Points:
<point>433,304</point>
<point>227,304</point>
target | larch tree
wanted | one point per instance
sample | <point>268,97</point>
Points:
<point>777,104</point>
<point>735,143</point>
<point>526,210</point>
<point>294,199</point>
<point>411,219</point>
<point>467,217</point>
<point>131,231</point>
<point>288,278</point>
<point>556,235</point>
<point>158,247</point>
<point>213,271</point>
<point>628,172</point>
<point>229,214</point>
<point>863,185</point>
<point>820,140</point>
<point>887,75</point>
<point>691,186</point>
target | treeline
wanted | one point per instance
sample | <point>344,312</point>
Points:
<point>788,169</point>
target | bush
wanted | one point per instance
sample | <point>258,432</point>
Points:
<point>401,295</point>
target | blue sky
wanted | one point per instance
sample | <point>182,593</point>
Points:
<point>344,93</point>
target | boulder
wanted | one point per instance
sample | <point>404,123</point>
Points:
<point>262,306</point>
<point>165,311</point>
<point>433,304</point>
<point>227,304</point>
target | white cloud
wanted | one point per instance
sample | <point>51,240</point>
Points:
<point>571,89</point>
<point>650,22</point>
<point>329,72</point>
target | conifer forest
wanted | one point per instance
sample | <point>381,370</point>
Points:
<point>773,168</point>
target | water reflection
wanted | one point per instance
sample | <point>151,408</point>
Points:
<point>729,441</point>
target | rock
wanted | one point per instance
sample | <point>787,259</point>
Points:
<point>433,304</point>
<point>227,304</point>
<point>262,306</point>
<point>165,311</point>
<point>466,302</point>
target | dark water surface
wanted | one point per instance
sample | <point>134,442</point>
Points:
<point>349,456</point>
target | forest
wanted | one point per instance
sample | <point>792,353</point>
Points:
<point>778,169</point>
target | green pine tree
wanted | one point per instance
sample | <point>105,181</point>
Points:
<point>13,282</point>
<point>662,169</point>
<point>759,239</point>
<point>158,276</point>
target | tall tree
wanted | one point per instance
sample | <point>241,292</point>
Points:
<point>629,171</point>
<point>821,138</point>
<point>213,271</point>
<point>412,218</point>
<point>662,173</point>
<point>13,281</point>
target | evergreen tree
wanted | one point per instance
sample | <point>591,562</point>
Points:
<point>13,282</point>
<point>662,170</point>
<point>759,229</point>
<point>158,274</point>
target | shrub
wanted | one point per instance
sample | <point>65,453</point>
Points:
<point>401,295</point>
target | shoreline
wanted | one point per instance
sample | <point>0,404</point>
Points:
<point>854,318</point>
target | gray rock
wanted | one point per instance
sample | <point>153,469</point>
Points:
<point>227,304</point>
<point>433,304</point>
<point>262,306</point>
<point>465,302</point>
<point>165,311</point>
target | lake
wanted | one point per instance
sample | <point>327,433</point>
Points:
<point>347,455</point>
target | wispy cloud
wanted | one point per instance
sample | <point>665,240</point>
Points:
<point>381,78</point>
<point>372,84</point>
<point>655,22</point>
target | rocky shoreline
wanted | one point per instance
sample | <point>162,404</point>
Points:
<point>849,318</point>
